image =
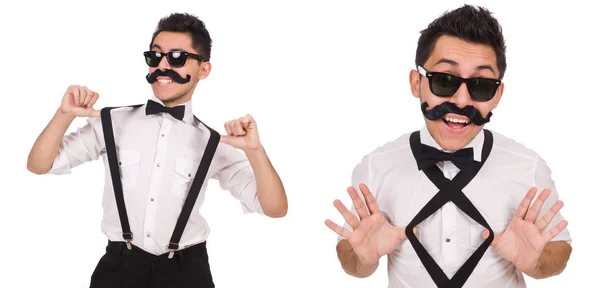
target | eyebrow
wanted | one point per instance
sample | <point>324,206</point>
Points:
<point>176,49</point>
<point>454,63</point>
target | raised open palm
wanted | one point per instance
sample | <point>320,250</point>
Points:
<point>372,236</point>
<point>522,242</point>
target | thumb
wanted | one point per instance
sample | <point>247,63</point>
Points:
<point>404,234</point>
<point>485,234</point>
<point>414,230</point>
<point>227,139</point>
<point>234,141</point>
<point>94,113</point>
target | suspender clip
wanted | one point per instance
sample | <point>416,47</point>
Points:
<point>172,247</point>
<point>128,237</point>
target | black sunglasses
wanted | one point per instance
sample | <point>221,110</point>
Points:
<point>445,85</point>
<point>175,58</point>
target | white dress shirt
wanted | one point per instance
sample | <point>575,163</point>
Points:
<point>158,156</point>
<point>449,235</point>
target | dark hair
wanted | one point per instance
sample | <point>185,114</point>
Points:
<point>468,23</point>
<point>187,23</point>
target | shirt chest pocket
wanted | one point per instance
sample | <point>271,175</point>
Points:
<point>184,173</point>
<point>129,163</point>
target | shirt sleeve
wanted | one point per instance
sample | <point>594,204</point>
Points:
<point>83,145</point>
<point>542,180</point>
<point>361,174</point>
<point>237,177</point>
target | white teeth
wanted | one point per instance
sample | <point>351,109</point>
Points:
<point>165,81</point>
<point>449,119</point>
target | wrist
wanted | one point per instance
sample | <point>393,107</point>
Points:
<point>61,115</point>
<point>254,151</point>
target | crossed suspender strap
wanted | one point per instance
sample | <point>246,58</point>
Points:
<point>450,190</point>
<point>195,188</point>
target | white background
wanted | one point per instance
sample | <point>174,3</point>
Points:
<point>327,82</point>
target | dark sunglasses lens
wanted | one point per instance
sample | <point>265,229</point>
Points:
<point>482,89</point>
<point>177,59</point>
<point>444,84</point>
<point>152,58</point>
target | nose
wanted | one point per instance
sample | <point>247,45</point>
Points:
<point>164,64</point>
<point>461,98</point>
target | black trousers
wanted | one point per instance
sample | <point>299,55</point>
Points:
<point>135,268</point>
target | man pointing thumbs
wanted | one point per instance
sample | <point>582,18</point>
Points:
<point>78,101</point>
<point>158,159</point>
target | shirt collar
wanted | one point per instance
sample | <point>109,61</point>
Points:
<point>476,143</point>
<point>188,117</point>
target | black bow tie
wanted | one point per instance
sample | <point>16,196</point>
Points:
<point>429,156</point>
<point>153,107</point>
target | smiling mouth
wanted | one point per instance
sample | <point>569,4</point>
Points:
<point>164,81</point>
<point>456,123</point>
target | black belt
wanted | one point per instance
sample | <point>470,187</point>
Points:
<point>186,211</point>
<point>450,190</point>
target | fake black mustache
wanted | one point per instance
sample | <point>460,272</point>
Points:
<point>169,73</point>
<point>438,112</point>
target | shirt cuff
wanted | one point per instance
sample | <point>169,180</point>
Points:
<point>61,164</point>
<point>249,200</point>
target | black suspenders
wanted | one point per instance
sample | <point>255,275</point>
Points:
<point>209,153</point>
<point>450,190</point>
<point>195,188</point>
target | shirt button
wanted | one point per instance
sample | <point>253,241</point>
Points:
<point>157,164</point>
<point>162,135</point>
<point>148,235</point>
<point>447,240</point>
<point>152,199</point>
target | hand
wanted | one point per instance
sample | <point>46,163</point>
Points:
<point>78,101</point>
<point>522,242</point>
<point>373,235</point>
<point>242,133</point>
